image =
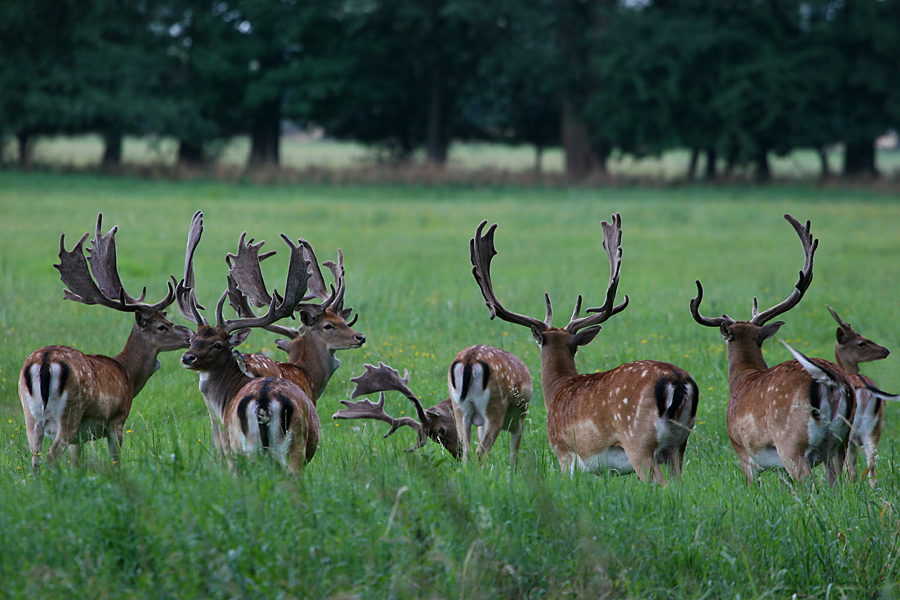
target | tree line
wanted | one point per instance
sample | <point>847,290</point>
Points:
<point>731,80</point>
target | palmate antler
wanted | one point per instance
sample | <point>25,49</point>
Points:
<point>100,284</point>
<point>380,379</point>
<point>244,270</point>
<point>279,307</point>
<point>761,318</point>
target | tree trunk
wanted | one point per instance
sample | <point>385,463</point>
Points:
<point>859,159</point>
<point>823,161</point>
<point>436,142</point>
<point>190,153</point>
<point>24,149</point>
<point>112,150</point>
<point>580,158</point>
<point>538,159</point>
<point>692,164</point>
<point>763,171</point>
<point>265,135</point>
<point>711,169</point>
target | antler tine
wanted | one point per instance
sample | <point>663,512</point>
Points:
<point>806,274</point>
<point>279,308</point>
<point>337,272</point>
<point>838,319</point>
<point>366,409</point>
<point>481,252</point>
<point>316,285</point>
<point>612,243</point>
<point>244,268</point>
<point>81,287</point>
<point>102,257</point>
<point>709,322</point>
<point>188,305</point>
<point>241,306</point>
<point>385,378</point>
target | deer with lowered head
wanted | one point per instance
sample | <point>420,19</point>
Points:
<point>489,388</point>
<point>850,349</point>
<point>632,418</point>
<point>794,415</point>
<point>74,397</point>
<point>325,329</point>
<point>249,416</point>
<point>435,423</point>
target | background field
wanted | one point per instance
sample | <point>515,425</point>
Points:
<point>367,520</point>
<point>304,152</point>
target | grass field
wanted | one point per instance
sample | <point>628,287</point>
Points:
<point>367,519</point>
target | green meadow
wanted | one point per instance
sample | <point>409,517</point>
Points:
<point>368,519</point>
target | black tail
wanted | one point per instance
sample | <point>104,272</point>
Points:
<point>683,389</point>
<point>45,376</point>
<point>467,376</point>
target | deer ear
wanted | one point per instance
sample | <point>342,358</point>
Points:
<point>141,320</point>
<point>841,335</point>
<point>308,319</point>
<point>725,330</point>
<point>185,333</point>
<point>585,336</point>
<point>283,345</point>
<point>767,331</point>
<point>237,338</point>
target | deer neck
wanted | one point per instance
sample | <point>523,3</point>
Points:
<point>557,368</point>
<point>316,361</point>
<point>844,361</point>
<point>221,384</point>
<point>139,360</point>
<point>744,357</point>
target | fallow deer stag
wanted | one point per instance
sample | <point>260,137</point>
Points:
<point>435,423</point>
<point>311,349</point>
<point>74,397</point>
<point>631,418</point>
<point>850,349</point>
<point>794,415</point>
<point>491,389</point>
<point>248,415</point>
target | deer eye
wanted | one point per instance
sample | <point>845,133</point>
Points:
<point>328,327</point>
<point>217,345</point>
<point>161,327</point>
<point>860,344</point>
<point>441,431</point>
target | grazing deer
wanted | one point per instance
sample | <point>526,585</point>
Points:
<point>435,423</point>
<point>794,415</point>
<point>631,418</point>
<point>311,350</point>
<point>75,397</point>
<point>491,389</point>
<point>248,415</point>
<point>850,349</point>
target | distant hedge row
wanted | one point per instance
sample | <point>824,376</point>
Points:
<point>733,80</point>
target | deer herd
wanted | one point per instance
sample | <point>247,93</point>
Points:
<point>635,417</point>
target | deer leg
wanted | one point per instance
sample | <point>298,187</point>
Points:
<point>515,438</point>
<point>487,436</point>
<point>75,455</point>
<point>746,465</point>
<point>463,429</point>
<point>58,446</point>
<point>796,465</point>
<point>850,461</point>
<point>35,433</point>
<point>871,449</point>
<point>115,437</point>
<point>836,464</point>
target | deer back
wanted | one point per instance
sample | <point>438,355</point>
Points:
<point>496,381</point>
